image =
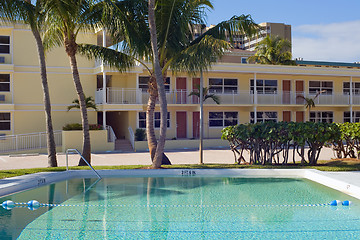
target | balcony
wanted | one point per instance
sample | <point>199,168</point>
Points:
<point>137,96</point>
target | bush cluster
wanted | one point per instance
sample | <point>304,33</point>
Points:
<point>78,126</point>
<point>271,142</point>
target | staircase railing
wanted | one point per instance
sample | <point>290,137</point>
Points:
<point>111,134</point>
<point>132,137</point>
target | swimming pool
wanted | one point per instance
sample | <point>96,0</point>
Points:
<point>191,207</point>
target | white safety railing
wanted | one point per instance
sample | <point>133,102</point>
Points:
<point>23,142</point>
<point>111,134</point>
<point>132,137</point>
<point>77,151</point>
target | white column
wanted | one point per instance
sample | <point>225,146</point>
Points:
<point>201,117</point>
<point>351,100</point>
<point>255,98</point>
<point>104,82</point>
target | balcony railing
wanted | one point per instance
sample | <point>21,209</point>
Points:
<point>118,96</point>
<point>137,96</point>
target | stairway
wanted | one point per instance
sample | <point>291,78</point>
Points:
<point>123,145</point>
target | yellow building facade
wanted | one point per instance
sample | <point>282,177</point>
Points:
<point>248,92</point>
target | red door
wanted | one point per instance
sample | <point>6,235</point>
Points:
<point>181,124</point>
<point>196,124</point>
<point>299,91</point>
<point>287,116</point>
<point>181,90</point>
<point>286,91</point>
<point>300,116</point>
<point>195,87</point>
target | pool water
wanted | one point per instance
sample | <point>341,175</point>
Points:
<point>183,208</point>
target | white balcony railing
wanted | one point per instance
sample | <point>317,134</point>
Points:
<point>118,96</point>
<point>137,96</point>
<point>22,142</point>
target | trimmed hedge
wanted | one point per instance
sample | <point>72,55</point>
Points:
<point>78,126</point>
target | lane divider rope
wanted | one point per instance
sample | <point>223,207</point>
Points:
<point>33,205</point>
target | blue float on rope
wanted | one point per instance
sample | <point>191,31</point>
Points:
<point>33,205</point>
<point>8,204</point>
<point>335,202</point>
<point>346,203</point>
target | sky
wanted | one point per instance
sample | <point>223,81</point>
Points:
<point>321,30</point>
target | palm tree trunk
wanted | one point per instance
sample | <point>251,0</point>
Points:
<point>150,131</point>
<point>86,152</point>
<point>161,88</point>
<point>51,147</point>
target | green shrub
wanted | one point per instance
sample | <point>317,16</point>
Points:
<point>78,126</point>
<point>140,134</point>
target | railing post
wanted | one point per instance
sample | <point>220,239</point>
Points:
<point>122,95</point>
<point>233,97</point>
<point>16,143</point>
<point>107,95</point>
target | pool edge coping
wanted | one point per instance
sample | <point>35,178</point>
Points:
<point>25,182</point>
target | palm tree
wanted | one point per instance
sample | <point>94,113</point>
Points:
<point>174,23</point>
<point>65,19</point>
<point>273,50</point>
<point>206,94</point>
<point>89,102</point>
<point>25,11</point>
<point>310,102</point>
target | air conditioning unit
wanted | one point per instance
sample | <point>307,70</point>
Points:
<point>2,59</point>
<point>2,98</point>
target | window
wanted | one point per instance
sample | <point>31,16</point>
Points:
<point>223,85</point>
<point>223,119</point>
<point>4,82</point>
<point>355,88</point>
<point>264,86</point>
<point>244,60</point>
<point>356,117</point>
<point>319,86</point>
<point>4,44</point>
<point>142,120</point>
<point>322,117</point>
<point>99,81</point>
<point>143,84</point>
<point>5,121</point>
<point>263,117</point>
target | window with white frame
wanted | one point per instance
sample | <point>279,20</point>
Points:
<point>223,85</point>
<point>264,86</point>
<point>5,44</point>
<point>223,119</point>
<point>325,87</point>
<point>4,82</point>
<point>355,116</point>
<point>5,121</point>
<point>318,116</point>
<point>142,120</point>
<point>355,88</point>
<point>264,117</point>
<point>143,83</point>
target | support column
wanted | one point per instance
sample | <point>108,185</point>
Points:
<point>201,117</point>
<point>104,82</point>
<point>255,98</point>
<point>351,100</point>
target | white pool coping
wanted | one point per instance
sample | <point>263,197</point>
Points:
<point>336,181</point>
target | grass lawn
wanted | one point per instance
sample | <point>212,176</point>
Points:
<point>333,165</point>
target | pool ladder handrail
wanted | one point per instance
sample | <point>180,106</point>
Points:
<point>77,151</point>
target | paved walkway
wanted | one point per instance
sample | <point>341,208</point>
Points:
<point>220,156</point>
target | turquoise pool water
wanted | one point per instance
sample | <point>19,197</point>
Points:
<point>183,208</point>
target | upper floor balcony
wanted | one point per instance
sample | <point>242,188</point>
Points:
<point>137,96</point>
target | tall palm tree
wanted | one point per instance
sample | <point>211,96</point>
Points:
<point>65,19</point>
<point>32,14</point>
<point>273,50</point>
<point>176,45</point>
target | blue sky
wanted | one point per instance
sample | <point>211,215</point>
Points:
<point>321,30</point>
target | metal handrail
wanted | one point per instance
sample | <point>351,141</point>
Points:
<point>77,151</point>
